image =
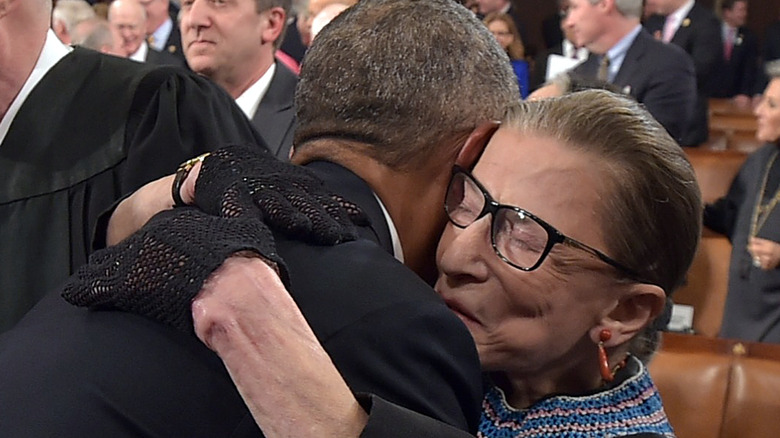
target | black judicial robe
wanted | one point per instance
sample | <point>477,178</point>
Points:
<point>93,129</point>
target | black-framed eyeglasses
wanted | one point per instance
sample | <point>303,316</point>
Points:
<point>518,237</point>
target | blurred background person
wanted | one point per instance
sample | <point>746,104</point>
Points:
<point>325,16</point>
<point>128,17</point>
<point>503,28</point>
<point>66,15</point>
<point>487,7</point>
<point>97,34</point>
<point>162,27</point>
<point>693,27</point>
<point>564,55</point>
<point>749,216</point>
<point>737,74</point>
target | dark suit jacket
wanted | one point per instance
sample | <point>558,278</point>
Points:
<point>738,74</point>
<point>71,372</point>
<point>540,65</point>
<point>700,36</point>
<point>155,57</point>
<point>770,53</point>
<point>657,75</point>
<point>551,30</point>
<point>173,43</point>
<point>275,115</point>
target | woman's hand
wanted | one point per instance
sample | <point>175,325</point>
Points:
<point>765,253</point>
<point>245,314</point>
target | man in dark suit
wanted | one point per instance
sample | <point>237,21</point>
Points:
<point>239,56</point>
<point>162,30</point>
<point>659,76</point>
<point>696,30</point>
<point>736,76</point>
<point>384,133</point>
<point>128,17</point>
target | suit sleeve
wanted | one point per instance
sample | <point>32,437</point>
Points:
<point>721,215</point>
<point>706,51</point>
<point>417,355</point>
<point>388,420</point>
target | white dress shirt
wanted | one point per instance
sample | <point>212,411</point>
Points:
<point>250,99</point>
<point>53,51</point>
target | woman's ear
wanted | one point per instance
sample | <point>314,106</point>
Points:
<point>475,144</point>
<point>638,306</point>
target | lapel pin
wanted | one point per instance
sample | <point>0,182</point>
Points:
<point>686,22</point>
<point>171,49</point>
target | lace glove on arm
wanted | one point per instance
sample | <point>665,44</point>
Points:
<point>159,270</point>
<point>239,180</point>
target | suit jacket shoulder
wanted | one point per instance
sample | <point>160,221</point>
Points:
<point>275,115</point>
<point>156,57</point>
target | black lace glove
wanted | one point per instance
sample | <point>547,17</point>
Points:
<point>159,270</point>
<point>242,180</point>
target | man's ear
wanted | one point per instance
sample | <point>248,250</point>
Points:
<point>475,144</point>
<point>276,20</point>
<point>636,309</point>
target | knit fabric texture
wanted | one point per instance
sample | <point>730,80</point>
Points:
<point>238,180</point>
<point>629,408</point>
<point>159,270</point>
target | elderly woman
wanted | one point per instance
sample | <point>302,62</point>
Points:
<point>564,242</point>
<point>749,217</point>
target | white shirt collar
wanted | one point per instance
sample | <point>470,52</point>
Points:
<point>140,54</point>
<point>398,251</point>
<point>618,52</point>
<point>160,36</point>
<point>53,51</point>
<point>679,15</point>
<point>250,99</point>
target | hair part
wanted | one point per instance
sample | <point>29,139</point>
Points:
<point>652,211</point>
<point>402,77</point>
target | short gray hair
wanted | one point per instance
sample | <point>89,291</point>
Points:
<point>71,13</point>
<point>629,8</point>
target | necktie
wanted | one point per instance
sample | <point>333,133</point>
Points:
<point>728,43</point>
<point>603,74</point>
<point>669,28</point>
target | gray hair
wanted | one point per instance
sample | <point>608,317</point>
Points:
<point>629,8</point>
<point>404,77</point>
<point>651,212</point>
<point>97,36</point>
<point>71,13</point>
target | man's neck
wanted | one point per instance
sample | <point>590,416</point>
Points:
<point>414,199</point>
<point>243,76</point>
<point>617,31</point>
<point>17,61</point>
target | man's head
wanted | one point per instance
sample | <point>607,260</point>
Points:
<point>97,34</point>
<point>128,17</point>
<point>392,89</point>
<point>734,12</point>
<point>156,13</point>
<point>66,15</point>
<point>404,77</point>
<point>600,24</point>
<point>232,41</point>
<point>491,6</point>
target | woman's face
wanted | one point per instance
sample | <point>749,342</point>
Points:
<point>500,30</point>
<point>768,113</point>
<point>534,321</point>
